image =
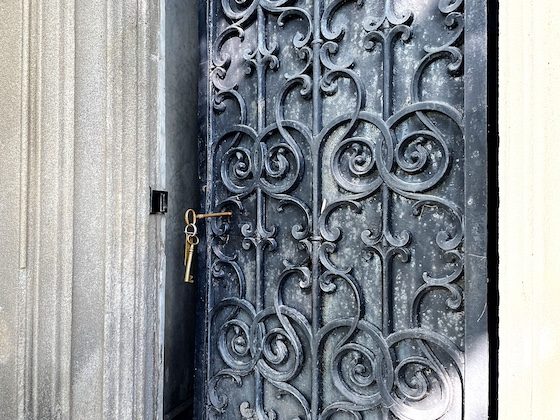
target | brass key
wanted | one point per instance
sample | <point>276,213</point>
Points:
<point>192,241</point>
<point>190,231</point>
<point>190,235</point>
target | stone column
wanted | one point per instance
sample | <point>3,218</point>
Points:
<point>80,255</point>
<point>13,146</point>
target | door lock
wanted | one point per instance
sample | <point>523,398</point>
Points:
<point>192,239</point>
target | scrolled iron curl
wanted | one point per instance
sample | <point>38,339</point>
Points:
<point>275,169</point>
<point>241,368</point>
<point>389,15</point>
<point>369,377</point>
<point>236,347</point>
<point>409,155</point>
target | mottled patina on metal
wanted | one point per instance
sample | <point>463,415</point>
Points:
<point>336,136</point>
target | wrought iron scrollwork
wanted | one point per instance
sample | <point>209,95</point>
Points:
<point>367,162</point>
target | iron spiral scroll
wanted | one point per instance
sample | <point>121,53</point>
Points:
<point>348,225</point>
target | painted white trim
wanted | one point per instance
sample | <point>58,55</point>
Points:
<point>529,225</point>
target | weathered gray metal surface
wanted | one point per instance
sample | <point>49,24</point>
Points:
<point>350,282</point>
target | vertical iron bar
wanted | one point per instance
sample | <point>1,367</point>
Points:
<point>210,14</point>
<point>386,283</point>
<point>261,212</point>
<point>316,186</point>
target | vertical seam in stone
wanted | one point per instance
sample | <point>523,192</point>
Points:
<point>24,143</point>
<point>23,307</point>
<point>37,119</point>
<point>68,66</point>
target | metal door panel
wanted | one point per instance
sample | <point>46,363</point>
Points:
<point>348,139</point>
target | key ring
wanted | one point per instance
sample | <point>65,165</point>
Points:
<point>191,229</point>
<point>190,217</point>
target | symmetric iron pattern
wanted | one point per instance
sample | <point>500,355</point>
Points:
<point>336,138</point>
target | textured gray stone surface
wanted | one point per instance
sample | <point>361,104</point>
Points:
<point>10,153</point>
<point>80,256</point>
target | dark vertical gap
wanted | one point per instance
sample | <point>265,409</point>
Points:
<point>493,203</point>
<point>204,11</point>
<point>182,182</point>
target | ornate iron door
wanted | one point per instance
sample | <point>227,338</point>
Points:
<point>348,138</point>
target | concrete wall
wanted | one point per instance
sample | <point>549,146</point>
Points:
<point>80,256</point>
<point>12,149</point>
